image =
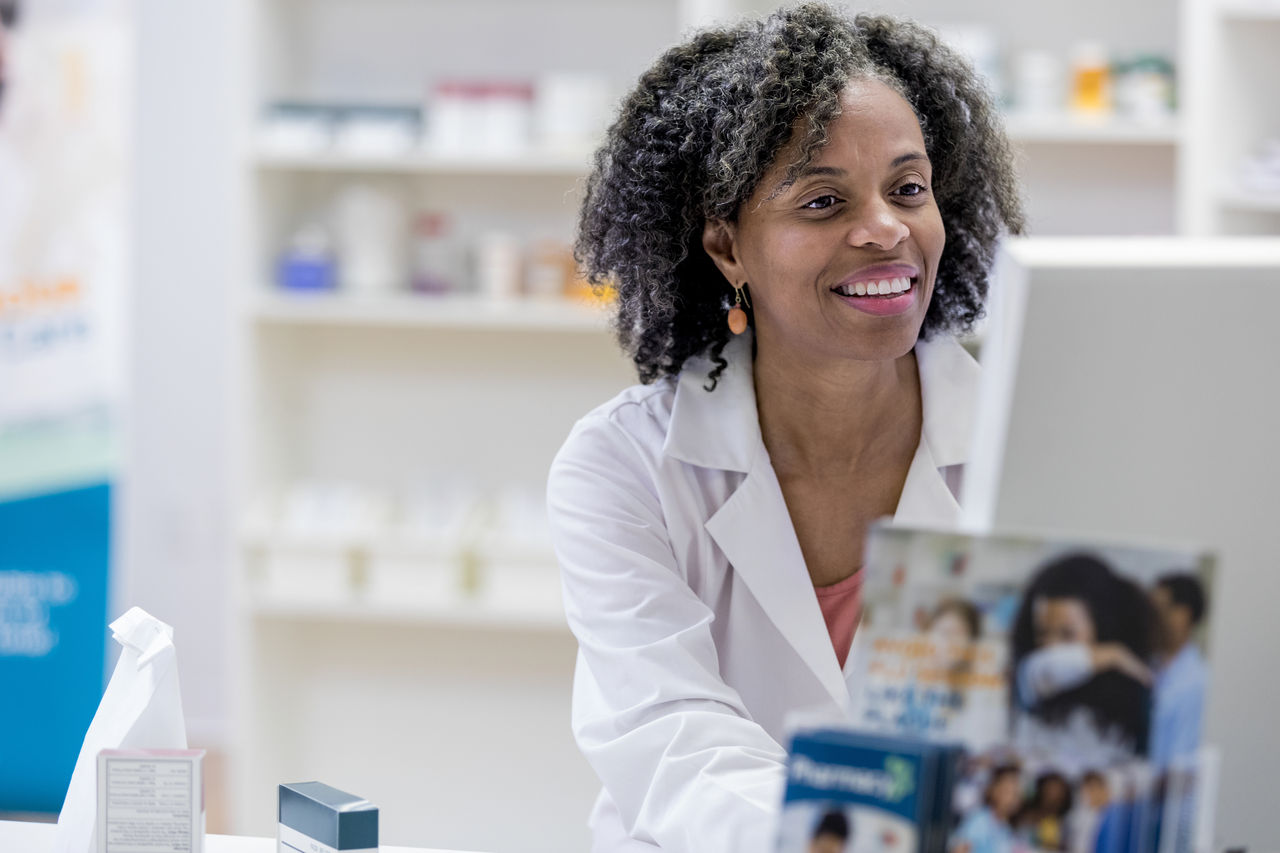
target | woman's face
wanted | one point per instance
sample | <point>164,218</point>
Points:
<point>1063,620</point>
<point>860,215</point>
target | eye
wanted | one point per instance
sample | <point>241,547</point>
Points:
<point>911,189</point>
<point>822,202</point>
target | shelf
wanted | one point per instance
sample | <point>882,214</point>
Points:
<point>1237,200</point>
<point>1250,11</point>
<point>1068,129</point>
<point>534,163</point>
<point>459,612</point>
<point>428,312</point>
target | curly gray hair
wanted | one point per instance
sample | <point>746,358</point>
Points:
<point>708,119</point>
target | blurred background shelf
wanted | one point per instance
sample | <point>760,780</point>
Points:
<point>1236,199</point>
<point>428,312</point>
<point>1066,129</point>
<point>459,611</point>
<point>1246,11</point>
<point>550,163</point>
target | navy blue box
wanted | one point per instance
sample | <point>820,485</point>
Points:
<point>315,818</point>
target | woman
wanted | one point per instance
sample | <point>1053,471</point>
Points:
<point>1082,688</point>
<point>710,522</point>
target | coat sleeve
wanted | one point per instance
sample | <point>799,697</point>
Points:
<point>676,749</point>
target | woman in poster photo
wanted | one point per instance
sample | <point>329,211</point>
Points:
<point>1082,685</point>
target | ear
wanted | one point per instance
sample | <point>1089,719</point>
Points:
<point>720,240</point>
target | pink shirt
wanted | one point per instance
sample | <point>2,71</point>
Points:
<point>841,605</point>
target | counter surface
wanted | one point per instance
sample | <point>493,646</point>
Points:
<point>22,837</point>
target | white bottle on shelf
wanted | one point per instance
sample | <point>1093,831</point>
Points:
<point>370,229</point>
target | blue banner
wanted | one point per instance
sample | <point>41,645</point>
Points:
<point>54,553</point>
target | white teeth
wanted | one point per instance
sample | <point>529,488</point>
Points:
<point>876,288</point>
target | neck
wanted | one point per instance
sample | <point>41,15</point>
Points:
<point>835,417</point>
<point>1172,650</point>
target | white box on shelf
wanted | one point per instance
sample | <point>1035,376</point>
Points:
<point>413,571</point>
<point>314,571</point>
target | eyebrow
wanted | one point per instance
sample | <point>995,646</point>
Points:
<point>810,171</point>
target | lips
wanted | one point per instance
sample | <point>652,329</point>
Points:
<point>878,280</point>
<point>884,290</point>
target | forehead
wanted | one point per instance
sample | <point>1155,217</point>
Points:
<point>1058,607</point>
<point>870,108</point>
<point>875,126</point>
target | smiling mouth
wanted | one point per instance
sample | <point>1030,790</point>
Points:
<point>880,287</point>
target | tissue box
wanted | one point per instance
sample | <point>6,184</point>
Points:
<point>315,818</point>
<point>150,799</point>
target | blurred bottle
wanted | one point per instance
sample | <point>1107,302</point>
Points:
<point>1144,87</point>
<point>370,227</point>
<point>571,110</point>
<point>981,46</point>
<point>506,119</point>
<point>307,262</point>
<point>549,270</point>
<point>436,261</point>
<point>1038,90</point>
<point>1090,80</point>
<point>498,265</point>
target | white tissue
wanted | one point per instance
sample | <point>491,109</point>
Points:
<point>141,709</point>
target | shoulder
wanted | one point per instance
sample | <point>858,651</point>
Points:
<point>619,444</point>
<point>637,418</point>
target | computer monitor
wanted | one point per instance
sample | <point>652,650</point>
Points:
<point>1131,391</point>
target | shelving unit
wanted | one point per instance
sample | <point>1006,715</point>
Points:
<point>1232,110</point>
<point>410,699</point>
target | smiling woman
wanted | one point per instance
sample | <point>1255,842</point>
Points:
<point>838,186</point>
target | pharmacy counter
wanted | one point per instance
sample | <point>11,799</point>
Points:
<point>20,837</point>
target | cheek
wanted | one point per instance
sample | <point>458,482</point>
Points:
<point>778,262</point>
<point>932,236</point>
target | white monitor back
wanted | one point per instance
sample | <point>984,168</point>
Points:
<point>1131,391</point>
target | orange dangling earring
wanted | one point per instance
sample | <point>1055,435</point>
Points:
<point>738,317</point>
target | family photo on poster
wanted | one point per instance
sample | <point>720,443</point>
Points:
<point>1073,675</point>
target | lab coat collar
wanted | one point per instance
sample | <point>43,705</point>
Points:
<point>948,388</point>
<point>753,528</point>
<point>721,428</point>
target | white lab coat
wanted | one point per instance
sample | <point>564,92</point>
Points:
<point>698,627</point>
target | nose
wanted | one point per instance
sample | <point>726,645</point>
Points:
<point>877,225</point>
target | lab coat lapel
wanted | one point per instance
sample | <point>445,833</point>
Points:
<point>753,529</point>
<point>926,500</point>
<point>948,386</point>
<point>720,430</point>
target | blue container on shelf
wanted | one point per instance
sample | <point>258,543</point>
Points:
<point>307,264</point>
